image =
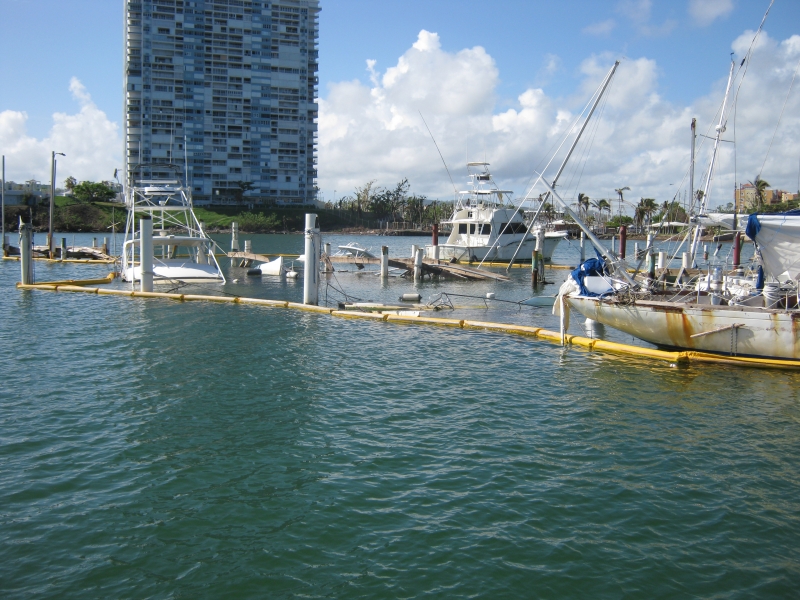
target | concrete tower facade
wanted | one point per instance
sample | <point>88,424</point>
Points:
<point>225,91</point>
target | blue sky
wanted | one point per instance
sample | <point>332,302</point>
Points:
<point>680,52</point>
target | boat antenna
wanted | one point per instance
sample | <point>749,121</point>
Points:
<point>440,153</point>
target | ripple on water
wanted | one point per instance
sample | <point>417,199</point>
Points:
<point>164,449</point>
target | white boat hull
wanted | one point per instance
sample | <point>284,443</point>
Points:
<point>500,253</point>
<point>734,330</point>
<point>173,271</point>
<point>273,267</point>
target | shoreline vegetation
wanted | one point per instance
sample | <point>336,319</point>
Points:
<point>72,216</point>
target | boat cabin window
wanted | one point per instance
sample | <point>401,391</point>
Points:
<point>462,228</point>
<point>472,228</point>
<point>486,229</point>
<point>510,228</point>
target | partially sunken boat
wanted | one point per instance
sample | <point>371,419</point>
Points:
<point>182,251</point>
<point>721,313</point>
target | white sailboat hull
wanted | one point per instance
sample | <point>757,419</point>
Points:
<point>735,330</point>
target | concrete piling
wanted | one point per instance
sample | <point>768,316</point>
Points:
<point>234,237</point>
<point>26,252</point>
<point>384,262</point>
<point>146,253</point>
<point>311,275</point>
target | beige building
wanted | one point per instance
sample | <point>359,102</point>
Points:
<point>745,197</point>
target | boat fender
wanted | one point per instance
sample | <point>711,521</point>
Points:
<point>410,298</point>
<point>254,272</point>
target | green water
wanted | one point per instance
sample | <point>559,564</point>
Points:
<point>153,449</point>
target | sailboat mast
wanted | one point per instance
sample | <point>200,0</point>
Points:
<point>691,165</point>
<point>609,77</point>
<point>707,186</point>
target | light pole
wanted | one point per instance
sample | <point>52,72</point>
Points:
<point>52,200</point>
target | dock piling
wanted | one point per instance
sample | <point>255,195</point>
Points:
<point>311,274</point>
<point>26,252</point>
<point>583,247</point>
<point>146,253</point>
<point>418,263</point>
<point>384,262</point>
<point>63,248</point>
<point>234,237</point>
<point>623,240</point>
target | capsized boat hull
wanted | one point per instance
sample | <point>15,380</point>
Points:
<point>273,267</point>
<point>736,330</point>
<point>500,253</point>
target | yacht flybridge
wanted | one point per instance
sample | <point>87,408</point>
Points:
<point>487,226</point>
<point>182,251</point>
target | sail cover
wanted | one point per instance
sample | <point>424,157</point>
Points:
<point>778,239</point>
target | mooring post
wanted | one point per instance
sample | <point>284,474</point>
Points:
<point>105,245</point>
<point>418,263</point>
<point>94,243</point>
<point>234,237</point>
<point>311,276</point>
<point>63,248</point>
<point>662,260</point>
<point>146,253</point>
<point>248,246</point>
<point>583,247</point>
<point>636,254</point>
<point>623,240</point>
<point>535,268</point>
<point>327,248</point>
<point>435,242</point>
<point>26,252</point>
<point>384,262</point>
<point>737,250</point>
<point>414,252</point>
<point>687,260</point>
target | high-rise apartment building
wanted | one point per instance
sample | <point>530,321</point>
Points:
<point>226,90</point>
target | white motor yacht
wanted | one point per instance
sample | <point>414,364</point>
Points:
<point>487,226</point>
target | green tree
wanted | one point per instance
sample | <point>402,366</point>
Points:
<point>70,183</point>
<point>89,191</point>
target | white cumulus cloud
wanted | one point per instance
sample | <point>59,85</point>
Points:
<point>705,12</point>
<point>91,142</point>
<point>375,132</point>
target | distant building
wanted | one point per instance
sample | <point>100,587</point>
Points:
<point>745,197</point>
<point>30,193</point>
<point>235,80</point>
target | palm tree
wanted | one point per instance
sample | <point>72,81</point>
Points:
<point>760,187</point>
<point>601,205</point>
<point>648,206</point>
<point>583,204</point>
<point>621,198</point>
